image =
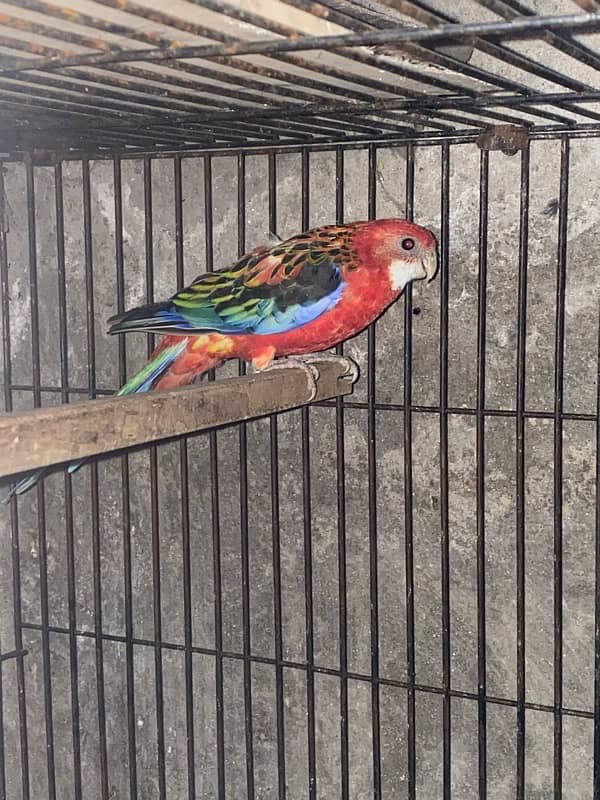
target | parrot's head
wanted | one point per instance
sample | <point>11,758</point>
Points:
<point>399,250</point>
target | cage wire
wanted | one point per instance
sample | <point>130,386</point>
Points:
<point>392,595</point>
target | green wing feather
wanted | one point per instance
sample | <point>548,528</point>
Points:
<point>267,291</point>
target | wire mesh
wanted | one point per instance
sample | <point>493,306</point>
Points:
<point>313,604</point>
<point>129,556</point>
<point>127,76</point>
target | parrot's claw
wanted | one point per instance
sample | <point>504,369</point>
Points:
<point>309,363</point>
<point>311,371</point>
<point>352,372</point>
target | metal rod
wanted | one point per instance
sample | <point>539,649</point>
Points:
<point>41,506</point>
<point>341,529</point>
<point>185,513</point>
<point>480,477</point>
<point>6,353</point>
<point>596,716</point>
<point>9,656</point>
<point>561,277</point>
<point>444,513</point>
<point>276,534</point>
<point>372,491</point>
<point>215,514</point>
<point>506,31</point>
<point>93,469</point>
<point>69,526</point>
<point>125,495</point>
<point>14,518</point>
<point>377,105</point>
<point>520,469</point>
<point>307,520</point>
<point>318,144</point>
<point>154,503</point>
<point>244,533</point>
<point>69,522</point>
<point>3,658</point>
<point>408,504</point>
<point>235,657</point>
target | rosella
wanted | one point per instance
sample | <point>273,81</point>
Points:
<point>278,305</point>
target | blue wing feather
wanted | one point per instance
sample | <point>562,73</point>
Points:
<point>297,315</point>
<point>256,298</point>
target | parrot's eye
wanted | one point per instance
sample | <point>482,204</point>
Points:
<point>408,244</point>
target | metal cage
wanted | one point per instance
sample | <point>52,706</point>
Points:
<point>390,595</point>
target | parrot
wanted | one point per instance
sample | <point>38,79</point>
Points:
<point>278,306</point>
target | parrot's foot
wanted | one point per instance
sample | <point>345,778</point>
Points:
<point>297,363</point>
<point>306,362</point>
<point>352,372</point>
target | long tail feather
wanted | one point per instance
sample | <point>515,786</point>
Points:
<point>27,483</point>
<point>142,381</point>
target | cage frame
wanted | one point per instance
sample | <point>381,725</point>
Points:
<point>315,138</point>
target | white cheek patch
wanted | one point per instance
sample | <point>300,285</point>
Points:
<point>403,272</point>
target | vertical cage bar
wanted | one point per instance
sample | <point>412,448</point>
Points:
<point>46,658</point>
<point>95,508</point>
<point>178,204</point>
<point>408,502</point>
<point>4,287</point>
<point>2,756</point>
<point>372,477</point>
<point>520,468</point>
<point>307,518</point>
<point>18,622</point>
<point>561,277</point>
<point>185,515</point>
<point>341,526</point>
<point>33,284</point>
<point>69,528</point>
<point>480,473</point>
<point>63,332</point>
<point>149,244</point>
<point>41,502</point>
<point>276,535</point>
<point>14,520</point>
<point>89,279</point>
<point>244,539</point>
<point>154,509</point>
<point>597,587</point>
<point>125,493</point>
<point>444,521</point>
<point>216,516</point>
<point>241,208</point>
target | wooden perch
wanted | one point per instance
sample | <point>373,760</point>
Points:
<point>46,436</point>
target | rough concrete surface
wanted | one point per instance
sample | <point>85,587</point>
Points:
<point>578,493</point>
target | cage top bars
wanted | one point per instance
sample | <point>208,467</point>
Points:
<point>128,76</point>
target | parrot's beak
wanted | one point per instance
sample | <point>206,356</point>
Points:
<point>430,264</point>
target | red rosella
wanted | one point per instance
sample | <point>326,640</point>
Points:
<point>298,297</point>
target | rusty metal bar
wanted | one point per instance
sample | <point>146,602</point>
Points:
<point>506,31</point>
